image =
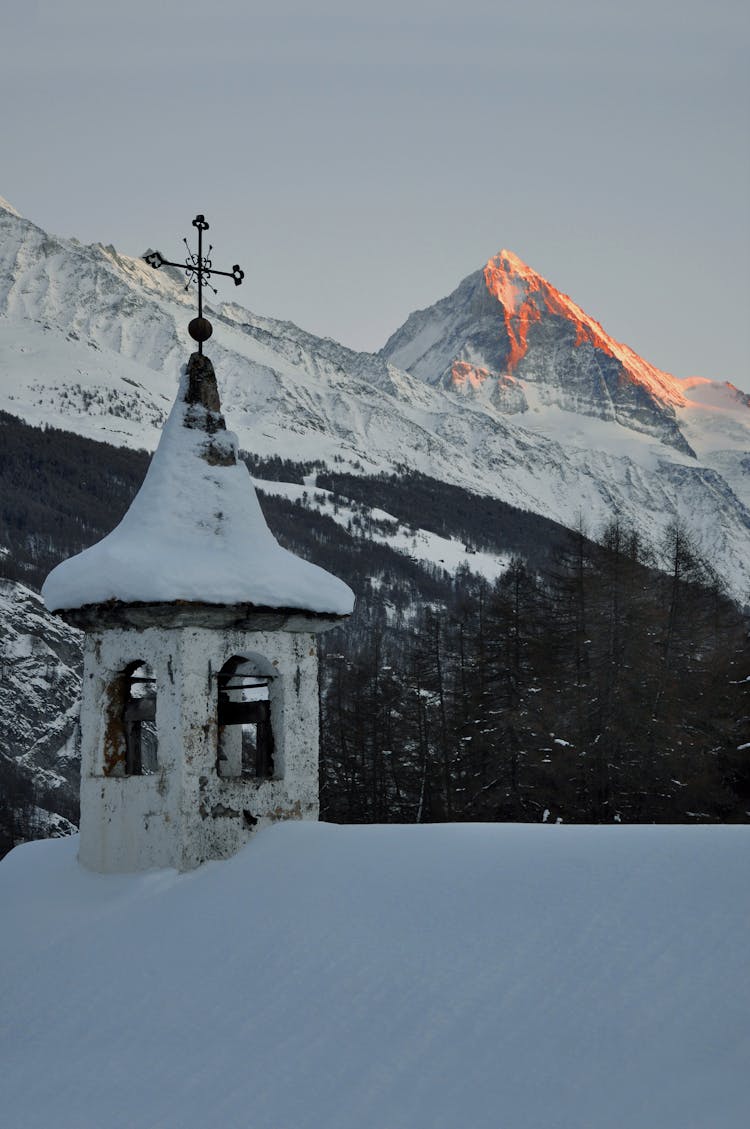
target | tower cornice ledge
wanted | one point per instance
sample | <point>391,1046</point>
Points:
<point>185,613</point>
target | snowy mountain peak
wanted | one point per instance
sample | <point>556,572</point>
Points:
<point>526,298</point>
<point>505,324</point>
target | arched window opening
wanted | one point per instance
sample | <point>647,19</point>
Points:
<point>130,744</point>
<point>139,720</point>
<point>246,744</point>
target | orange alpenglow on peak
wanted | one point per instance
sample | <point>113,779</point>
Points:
<point>525,296</point>
<point>463,373</point>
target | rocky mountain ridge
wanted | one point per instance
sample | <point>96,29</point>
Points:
<point>92,341</point>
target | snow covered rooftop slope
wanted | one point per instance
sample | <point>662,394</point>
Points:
<point>195,531</point>
<point>434,977</point>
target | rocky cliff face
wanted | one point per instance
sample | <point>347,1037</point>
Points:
<point>40,688</point>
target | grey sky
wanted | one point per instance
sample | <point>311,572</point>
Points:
<point>360,160</point>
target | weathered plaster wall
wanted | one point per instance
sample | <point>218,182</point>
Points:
<point>185,813</point>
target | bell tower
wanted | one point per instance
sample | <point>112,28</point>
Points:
<point>199,712</point>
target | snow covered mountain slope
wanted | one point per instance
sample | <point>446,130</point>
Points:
<point>424,977</point>
<point>503,395</point>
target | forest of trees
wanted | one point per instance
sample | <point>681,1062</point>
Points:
<point>598,691</point>
<point>59,493</point>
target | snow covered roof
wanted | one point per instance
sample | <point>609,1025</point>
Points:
<point>195,531</point>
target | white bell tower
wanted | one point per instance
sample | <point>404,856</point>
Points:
<point>199,716</point>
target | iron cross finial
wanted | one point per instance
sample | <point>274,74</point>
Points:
<point>198,269</point>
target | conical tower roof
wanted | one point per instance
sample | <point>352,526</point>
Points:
<point>195,532</point>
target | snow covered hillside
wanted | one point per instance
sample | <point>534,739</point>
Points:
<point>91,340</point>
<point>443,977</point>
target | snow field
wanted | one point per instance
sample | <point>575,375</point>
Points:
<point>435,977</point>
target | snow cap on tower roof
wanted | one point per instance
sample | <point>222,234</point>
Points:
<point>195,531</point>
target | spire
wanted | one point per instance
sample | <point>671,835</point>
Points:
<point>203,412</point>
<point>195,531</point>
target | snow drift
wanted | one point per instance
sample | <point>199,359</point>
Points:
<point>442,977</point>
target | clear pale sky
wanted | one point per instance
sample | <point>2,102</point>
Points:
<point>359,160</point>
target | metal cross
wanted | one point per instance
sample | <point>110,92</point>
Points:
<point>197,269</point>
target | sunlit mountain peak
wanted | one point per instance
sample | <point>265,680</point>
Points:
<point>526,297</point>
